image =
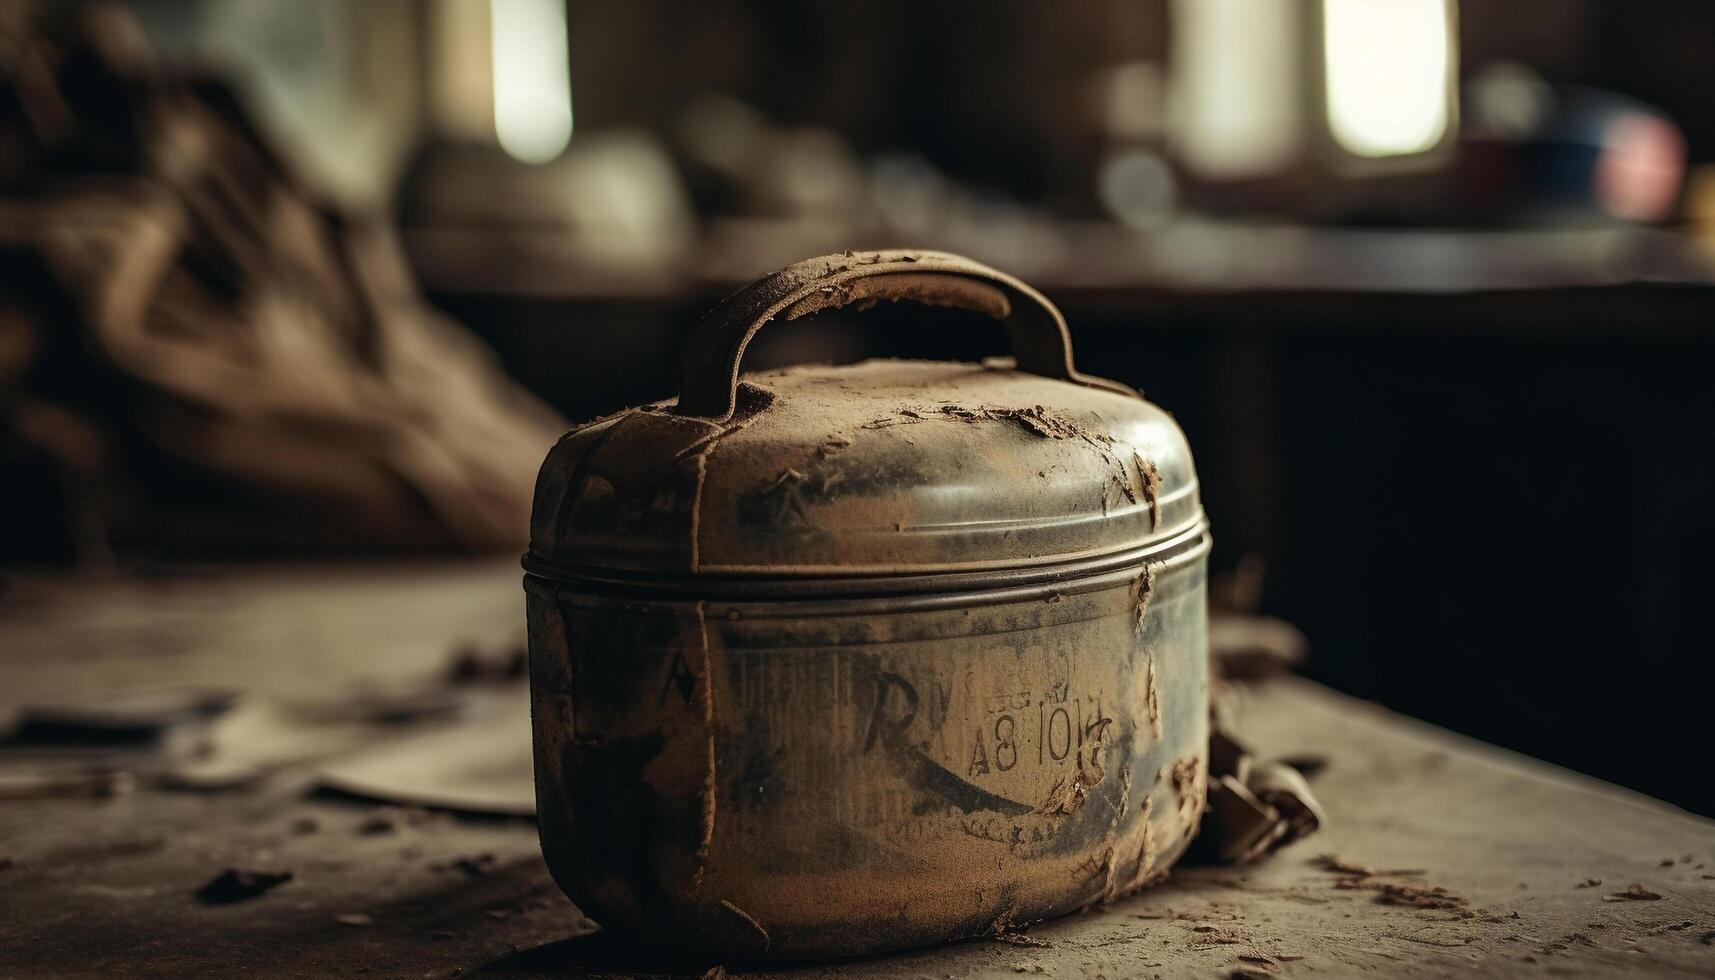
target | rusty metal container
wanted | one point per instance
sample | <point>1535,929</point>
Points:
<point>834,660</point>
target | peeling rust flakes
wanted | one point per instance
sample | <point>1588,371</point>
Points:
<point>858,259</point>
<point>1146,854</point>
<point>1100,440</point>
<point>1040,421</point>
<point>1110,884</point>
<point>1006,923</point>
<point>1152,697</point>
<point>832,296</point>
<point>963,414</point>
<point>1186,790</point>
<point>1125,486</point>
<point>1143,870</point>
<point>1148,485</point>
<point>1142,590</point>
<point>1073,789</point>
<point>1036,419</point>
<point>887,422</point>
<point>1067,796</point>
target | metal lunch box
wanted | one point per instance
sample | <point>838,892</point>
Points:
<point>835,660</point>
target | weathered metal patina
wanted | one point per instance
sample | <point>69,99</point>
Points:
<point>834,660</point>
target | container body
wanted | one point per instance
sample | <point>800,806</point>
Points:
<point>796,775</point>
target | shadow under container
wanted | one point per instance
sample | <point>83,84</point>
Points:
<point>838,660</point>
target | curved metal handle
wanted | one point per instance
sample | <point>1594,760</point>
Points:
<point>708,369</point>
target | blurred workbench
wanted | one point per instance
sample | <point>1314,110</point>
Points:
<point>1531,856</point>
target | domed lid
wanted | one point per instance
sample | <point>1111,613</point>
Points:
<point>878,468</point>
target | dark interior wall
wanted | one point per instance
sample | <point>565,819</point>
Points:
<point>1000,93</point>
<point>1654,50</point>
<point>1002,90</point>
<point>1554,37</point>
<point>1511,535</point>
<point>1660,51</point>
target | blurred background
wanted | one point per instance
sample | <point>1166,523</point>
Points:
<point>1427,283</point>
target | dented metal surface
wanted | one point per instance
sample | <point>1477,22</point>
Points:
<point>878,655</point>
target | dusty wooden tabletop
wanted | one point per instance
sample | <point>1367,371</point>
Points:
<point>1534,860</point>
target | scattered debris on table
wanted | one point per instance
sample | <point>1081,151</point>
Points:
<point>480,766</point>
<point>472,664</point>
<point>1021,939</point>
<point>237,885</point>
<point>1339,865</point>
<point>1633,892</point>
<point>136,717</point>
<point>1411,894</point>
<point>479,864</point>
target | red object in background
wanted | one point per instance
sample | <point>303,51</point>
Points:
<point>1640,167</point>
<point>1590,154</point>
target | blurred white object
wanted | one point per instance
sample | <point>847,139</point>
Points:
<point>811,172</point>
<point>1354,88</point>
<point>1137,186</point>
<point>1388,74</point>
<point>309,73</point>
<point>1131,98</point>
<point>481,765</point>
<point>613,200</point>
<point>911,194</point>
<point>1507,99</point>
<point>722,133</point>
<point>532,78</point>
<point>770,171</point>
<point>1236,105</point>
